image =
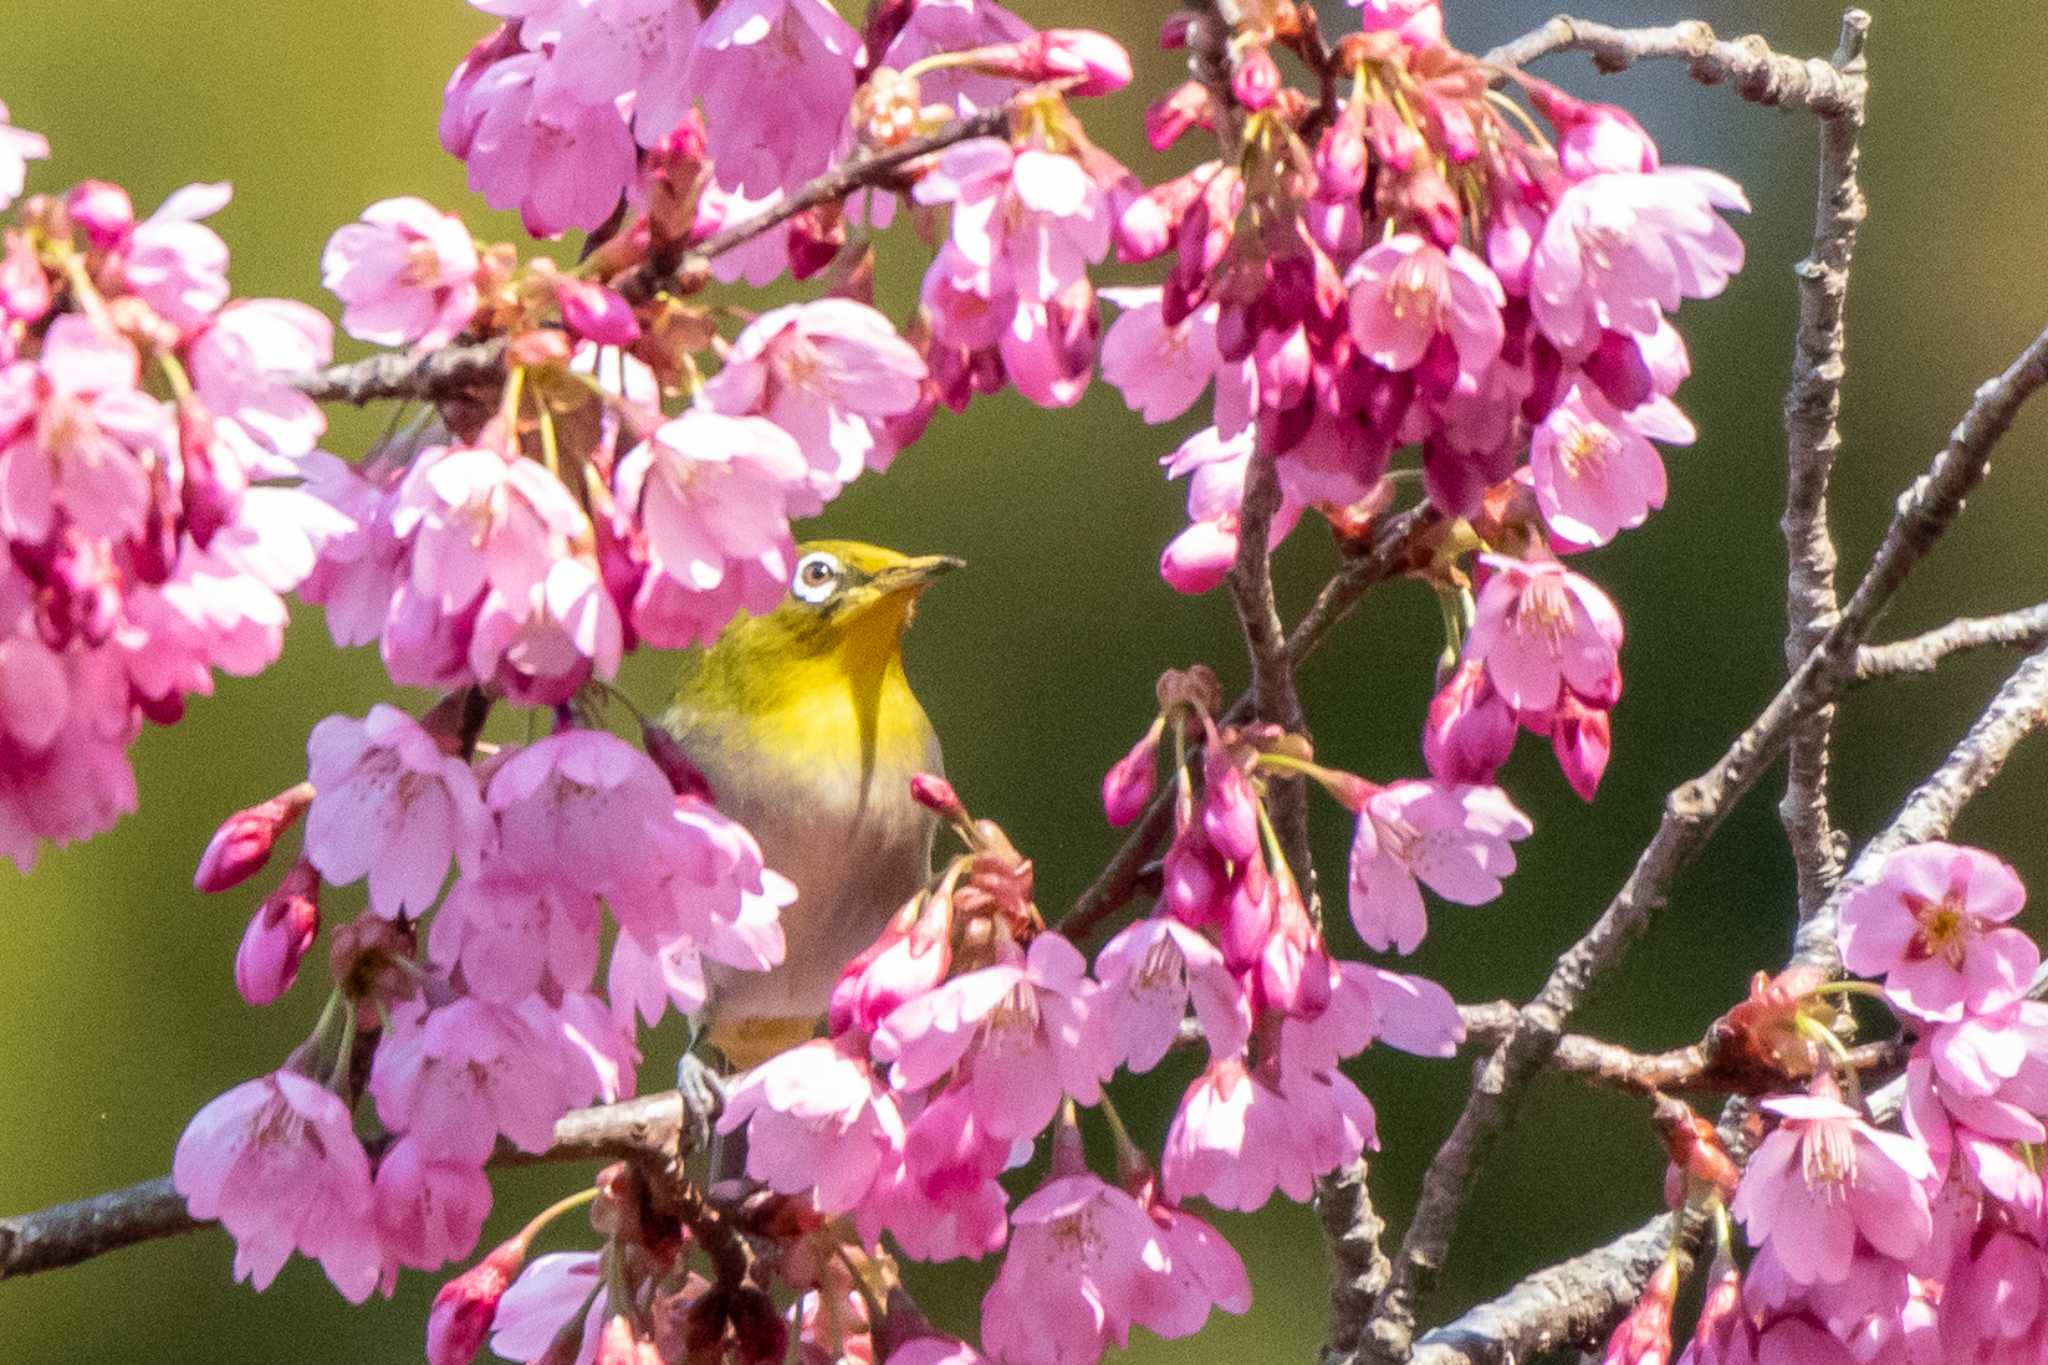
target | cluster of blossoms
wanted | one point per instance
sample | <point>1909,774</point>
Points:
<point>146,444</point>
<point>496,1031</point>
<point>1924,1244</point>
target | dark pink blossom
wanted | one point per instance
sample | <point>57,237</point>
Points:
<point>1933,925</point>
<point>279,935</point>
<point>1540,627</point>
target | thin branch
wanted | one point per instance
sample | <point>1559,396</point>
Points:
<point>1692,812</point>
<point>1812,440</point>
<point>653,1127</point>
<point>2026,628</point>
<point>1579,1300</point>
<point>1758,73</point>
<point>446,373</point>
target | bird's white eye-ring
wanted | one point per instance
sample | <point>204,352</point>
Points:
<point>817,574</point>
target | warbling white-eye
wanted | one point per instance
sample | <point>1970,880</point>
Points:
<point>806,729</point>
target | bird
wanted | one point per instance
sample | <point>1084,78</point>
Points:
<point>803,724</point>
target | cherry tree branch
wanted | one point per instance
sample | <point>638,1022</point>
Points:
<point>2026,628</point>
<point>1579,1300</point>
<point>1758,73</point>
<point>1812,441</point>
<point>1692,812</point>
<point>661,1127</point>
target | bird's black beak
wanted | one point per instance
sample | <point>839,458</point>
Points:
<point>912,575</point>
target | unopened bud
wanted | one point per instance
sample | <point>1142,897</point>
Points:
<point>278,937</point>
<point>539,347</point>
<point>242,845</point>
<point>103,212</point>
<point>935,793</point>
<point>1644,1336</point>
<point>1256,82</point>
<point>1694,1146</point>
<point>24,286</point>
<point>1096,62</point>
<point>1128,784</point>
<point>467,1305</point>
<point>684,777</point>
<point>594,313</point>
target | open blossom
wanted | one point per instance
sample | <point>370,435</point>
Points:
<point>456,1077</point>
<point>1540,627</point>
<point>484,517</point>
<point>430,1207</point>
<point>935,26</point>
<point>940,1195</point>
<point>715,495</point>
<point>1407,292</point>
<point>1160,369</point>
<point>832,373</point>
<point>816,1117</point>
<point>277,1161</point>
<point>18,147</point>
<point>1149,972</point>
<point>1020,1030</point>
<point>1454,839</point>
<point>1934,926</point>
<point>537,148</point>
<point>1080,1254</point>
<point>239,365</point>
<point>1595,473</point>
<point>509,933</point>
<point>546,1298</point>
<point>1032,218</point>
<point>405,274</point>
<point>1825,1180</point>
<point>177,264</point>
<point>804,53</point>
<point>392,805</point>
<point>1241,1134</point>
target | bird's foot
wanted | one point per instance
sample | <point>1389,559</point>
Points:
<point>703,1095</point>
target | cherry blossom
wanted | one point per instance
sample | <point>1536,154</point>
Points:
<point>18,147</point>
<point>560,162</point>
<point>174,262</point>
<point>815,1117</point>
<point>802,50</point>
<point>546,1298</point>
<point>1079,1256</point>
<point>1454,839</point>
<point>1148,973</point>
<point>1933,924</point>
<point>1540,627</point>
<point>454,1078</point>
<point>406,274</point>
<point>1406,292</point>
<point>1241,1134</point>
<point>1595,474</point>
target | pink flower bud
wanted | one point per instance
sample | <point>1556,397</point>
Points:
<point>935,793</point>
<point>1470,731</point>
<point>241,846</point>
<point>595,313</point>
<point>103,212</point>
<point>1127,786</point>
<point>1173,34</point>
<point>1096,59</point>
<point>1230,810</point>
<point>683,776</point>
<point>467,1305</point>
<point>1341,156</point>
<point>1644,1336</point>
<point>1256,82</point>
<point>1185,106</point>
<point>621,1344</point>
<point>279,934</point>
<point>1200,557</point>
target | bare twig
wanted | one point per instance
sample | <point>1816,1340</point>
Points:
<point>1811,442</point>
<point>445,373</point>
<point>1758,73</point>
<point>2026,628</point>
<point>1579,1300</point>
<point>1692,813</point>
<point>654,1128</point>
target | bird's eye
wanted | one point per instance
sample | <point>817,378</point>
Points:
<point>817,574</point>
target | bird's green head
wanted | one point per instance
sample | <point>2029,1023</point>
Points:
<point>844,617</point>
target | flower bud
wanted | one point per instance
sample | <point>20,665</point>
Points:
<point>1096,61</point>
<point>594,313</point>
<point>103,212</point>
<point>1582,738</point>
<point>24,287</point>
<point>1644,1336</point>
<point>1695,1147</point>
<point>1128,784</point>
<point>241,846</point>
<point>1470,730</point>
<point>1256,82</point>
<point>935,793</point>
<point>1230,809</point>
<point>1179,109</point>
<point>683,776</point>
<point>278,937</point>
<point>466,1305</point>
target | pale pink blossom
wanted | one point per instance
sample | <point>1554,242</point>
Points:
<point>1453,839</point>
<point>832,373</point>
<point>636,48</point>
<point>1994,1301</point>
<point>648,980</point>
<point>1240,1135</point>
<point>1825,1179</point>
<point>1595,473</point>
<point>1199,558</point>
<point>1149,972</point>
<point>1036,220</point>
<point>1539,627</point>
<point>715,494</point>
<point>562,163</point>
<point>816,1118</point>
<point>392,805</point>
<point>430,1207</point>
<point>1366,1005</point>
<point>405,274</point>
<point>935,1350</point>
<point>1617,248</point>
<point>1934,925</point>
<point>590,1053</point>
<point>578,808</point>
<point>277,1161</point>
<point>359,571</point>
<point>1160,370</point>
<point>539,651</point>
<point>1406,292</point>
<point>935,26</point>
<point>239,366</point>
<point>18,147</point>
<point>177,264</point>
<point>71,790</point>
<point>803,52</point>
<point>1080,1254</point>
<point>1048,349</point>
<point>456,1077</point>
<point>508,933</point>
<point>483,517</point>
<point>1203,1271</point>
<point>1419,22</point>
<point>1020,1031</point>
<point>544,1300</point>
<point>939,1196</point>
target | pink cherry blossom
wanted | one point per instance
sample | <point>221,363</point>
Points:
<point>935,26</point>
<point>405,274</point>
<point>804,52</point>
<point>1540,627</point>
<point>508,933</point>
<point>175,263</point>
<point>578,808</point>
<point>816,1118</point>
<point>1369,1004</point>
<point>238,364</point>
<point>636,48</point>
<point>562,163</point>
<point>277,1161</point>
<point>935,1350</point>
<point>1240,1134</point>
<point>939,1196</point>
<point>1080,1255</point>
<point>241,847</point>
<point>590,1053</point>
<point>1203,1271</point>
<point>430,1207</point>
<point>715,494</point>
<point>392,805</point>
<point>911,956</point>
<point>18,147</point>
<point>1406,292</point>
<point>1160,370</point>
<point>1595,473</point>
<point>1994,1302</point>
<point>543,1301</point>
<point>1616,248</point>
<point>484,517</point>
<point>1825,1179</point>
<point>466,1307</point>
<point>1034,219</point>
<point>1199,558</point>
<point>1149,972</point>
<point>1454,839</point>
<point>832,373</point>
<point>455,1077</point>
<point>1127,786</point>
<point>1933,924</point>
<point>1419,22</point>
<point>1021,1031</point>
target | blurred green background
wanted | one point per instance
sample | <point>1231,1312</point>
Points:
<point>1037,665</point>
